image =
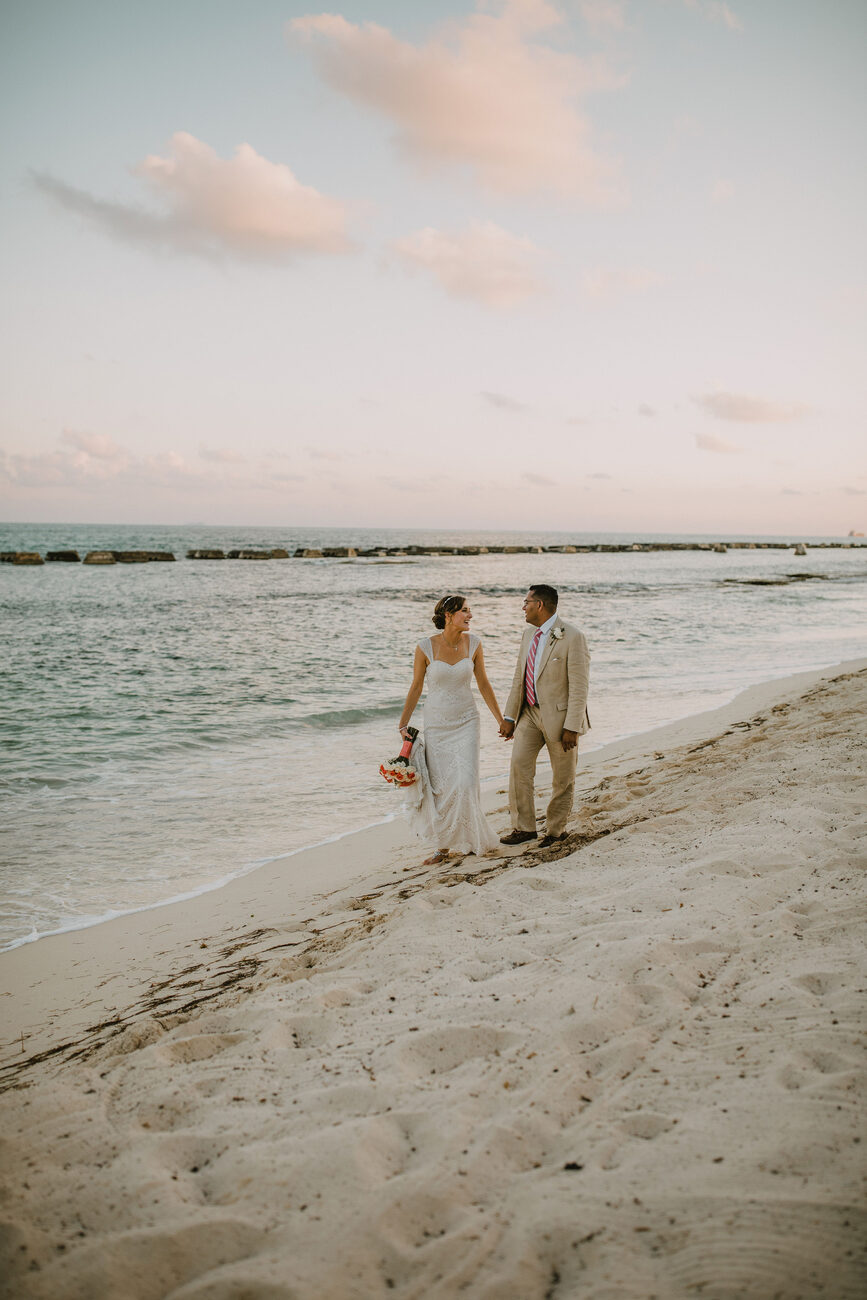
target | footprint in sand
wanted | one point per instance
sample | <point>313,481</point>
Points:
<point>718,867</point>
<point>197,1048</point>
<point>382,1150</point>
<point>416,1219</point>
<point>171,1113</point>
<point>816,1068</point>
<point>824,1062</point>
<point>189,1155</point>
<point>440,1050</point>
<point>819,983</point>
<point>541,885</point>
<point>147,1263</point>
<point>805,910</point>
<point>646,1125</point>
<point>299,1031</point>
<point>657,1003</point>
<point>336,997</point>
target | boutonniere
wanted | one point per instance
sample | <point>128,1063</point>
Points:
<point>556,633</point>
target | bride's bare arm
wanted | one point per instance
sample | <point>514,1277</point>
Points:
<point>486,690</point>
<point>419,668</point>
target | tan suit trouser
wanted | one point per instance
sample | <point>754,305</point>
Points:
<point>528,741</point>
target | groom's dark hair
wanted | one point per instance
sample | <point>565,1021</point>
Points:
<point>549,596</point>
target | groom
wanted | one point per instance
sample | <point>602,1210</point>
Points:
<point>547,705</point>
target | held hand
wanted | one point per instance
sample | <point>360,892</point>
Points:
<point>569,740</point>
<point>507,729</point>
<point>402,731</point>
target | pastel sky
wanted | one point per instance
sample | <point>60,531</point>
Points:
<point>578,264</point>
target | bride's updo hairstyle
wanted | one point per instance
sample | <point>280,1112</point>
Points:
<point>448,605</point>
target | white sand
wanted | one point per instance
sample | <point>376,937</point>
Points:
<point>630,1071</point>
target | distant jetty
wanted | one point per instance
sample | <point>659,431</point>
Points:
<point>33,558</point>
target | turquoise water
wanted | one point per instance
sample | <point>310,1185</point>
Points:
<point>168,726</point>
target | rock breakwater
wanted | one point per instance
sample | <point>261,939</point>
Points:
<point>414,551</point>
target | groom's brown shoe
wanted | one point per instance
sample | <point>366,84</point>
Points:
<point>548,840</point>
<point>518,837</point>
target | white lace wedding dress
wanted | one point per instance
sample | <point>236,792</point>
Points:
<point>444,805</point>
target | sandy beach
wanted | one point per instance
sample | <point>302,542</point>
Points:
<point>628,1066</point>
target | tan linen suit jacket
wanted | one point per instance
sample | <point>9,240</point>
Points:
<point>562,681</point>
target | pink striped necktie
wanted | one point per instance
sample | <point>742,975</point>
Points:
<point>529,673</point>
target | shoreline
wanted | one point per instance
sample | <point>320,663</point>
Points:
<point>91,978</point>
<point>92,923</point>
<point>586,758</point>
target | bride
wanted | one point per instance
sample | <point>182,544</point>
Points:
<point>449,810</point>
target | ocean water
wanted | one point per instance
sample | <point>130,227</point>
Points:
<point>166,727</point>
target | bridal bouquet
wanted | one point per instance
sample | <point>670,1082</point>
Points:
<point>399,771</point>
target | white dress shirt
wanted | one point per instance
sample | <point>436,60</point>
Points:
<point>544,629</point>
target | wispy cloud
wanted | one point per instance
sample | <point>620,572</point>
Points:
<point>222,455</point>
<point>607,285</point>
<point>721,191</point>
<point>98,445</point>
<point>504,403</point>
<point>245,206</point>
<point>283,477</point>
<point>422,483</point>
<point>538,480</point>
<point>644,409</point>
<point>709,442</point>
<point>599,476</point>
<point>83,469</point>
<point>854,492</point>
<point>748,410</point>
<point>484,263</point>
<point>40,469</point>
<point>483,92</point>
<point>324,453</point>
<point>93,462</point>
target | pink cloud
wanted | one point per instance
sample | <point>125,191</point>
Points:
<point>166,469</point>
<point>323,453</point>
<point>483,262</point>
<point>748,410</point>
<point>81,459</point>
<point>483,92</point>
<point>95,460</point>
<point>504,403</point>
<point>245,205</point>
<point>411,485</point>
<point>288,478</point>
<point>74,476</point>
<point>709,442</point>
<point>98,445</point>
<point>44,469</point>
<point>221,455</point>
<point>247,202</point>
